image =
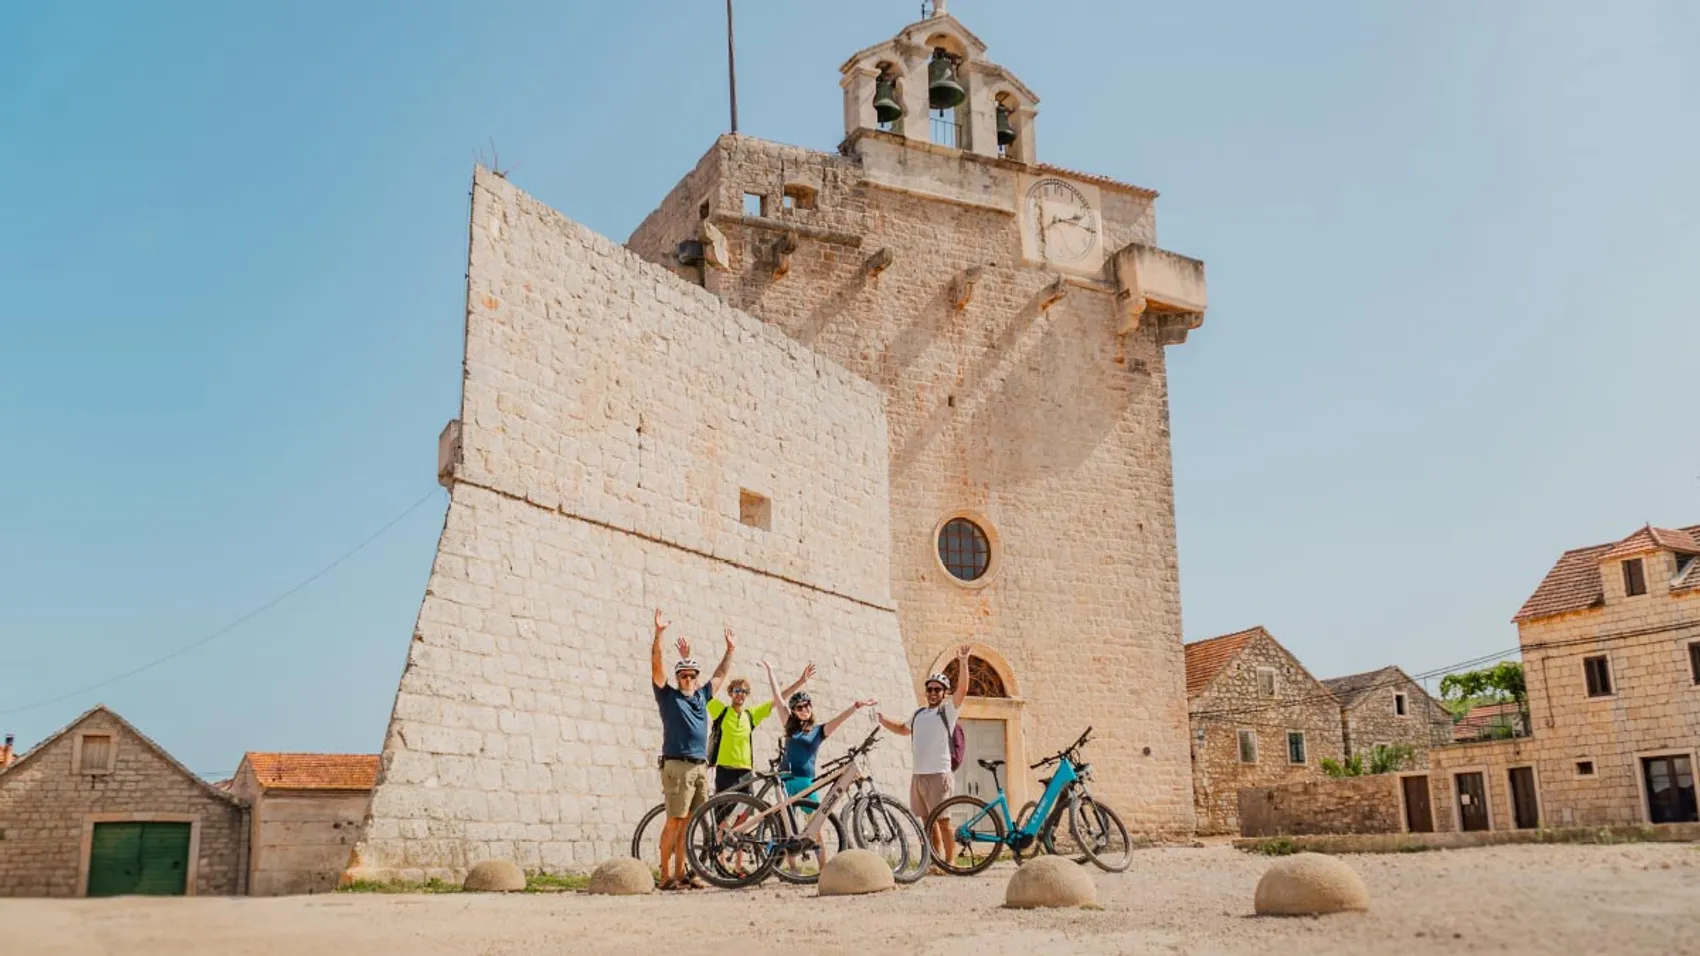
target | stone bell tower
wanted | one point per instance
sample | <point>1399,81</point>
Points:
<point>1014,317</point>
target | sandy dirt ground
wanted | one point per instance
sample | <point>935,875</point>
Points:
<point>1512,899</point>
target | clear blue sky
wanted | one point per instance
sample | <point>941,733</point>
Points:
<point>1451,250</point>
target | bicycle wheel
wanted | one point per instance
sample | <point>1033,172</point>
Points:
<point>1040,843</point>
<point>804,866</point>
<point>978,835</point>
<point>646,839</point>
<point>1100,834</point>
<point>727,846</point>
<point>881,824</point>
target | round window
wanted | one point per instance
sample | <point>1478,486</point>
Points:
<point>963,549</point>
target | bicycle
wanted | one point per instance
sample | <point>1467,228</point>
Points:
<point>738,826</point>
<point>1096,830</point>
<point>646,838</point>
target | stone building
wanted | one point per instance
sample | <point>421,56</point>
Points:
<point>862,405</point>
<point>1611,657</point>
<point>1258,719</point>
<point>305,816</point>
<point>98,809</point>
<point>1387,708</point>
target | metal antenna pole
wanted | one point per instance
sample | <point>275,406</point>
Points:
<point>731,66</point>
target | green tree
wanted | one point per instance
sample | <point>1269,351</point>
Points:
<point>1499,684</point>
<point>1382,759</point>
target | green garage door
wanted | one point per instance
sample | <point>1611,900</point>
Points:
<point>148,859</point>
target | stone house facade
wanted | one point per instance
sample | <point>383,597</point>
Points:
<point>1386,707</point>
<point>98,809</point>
<point>305,815</point>
<point>1259,719</point>
<point>912,391</point>
<point>1611,657</point>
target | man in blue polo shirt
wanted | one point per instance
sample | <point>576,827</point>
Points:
<point>684,747</point>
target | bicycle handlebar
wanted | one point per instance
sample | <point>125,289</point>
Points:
<point>1066,751</point>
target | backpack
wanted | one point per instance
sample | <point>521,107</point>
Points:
<point>958,739</point>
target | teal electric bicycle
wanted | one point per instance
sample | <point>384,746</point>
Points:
<point>982,829</point>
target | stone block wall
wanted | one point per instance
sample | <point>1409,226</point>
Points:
<point>614,417</point>
<point>299,841</point>
<point>47,806</point>
<point>1347,805</point>
<point>1372,718</point>
<point>1232,703</point>
<point>1040,424</point>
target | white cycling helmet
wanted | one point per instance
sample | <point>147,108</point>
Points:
<point>939,679</point>
<point>686,664</point>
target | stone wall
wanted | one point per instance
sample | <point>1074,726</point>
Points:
<point>1232,703</point>
<point>1654,709</point>
<point>48,806</point>
<point>1347,805</point>
<point>1041,424</point>
<point>1372,718</point>
<point>614,419</point>
<point>299,841</point>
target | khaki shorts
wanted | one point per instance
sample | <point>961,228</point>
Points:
<point>684,786</point>
<point>928,790</point>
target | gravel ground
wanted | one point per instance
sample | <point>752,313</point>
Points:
<point>1638,898</point>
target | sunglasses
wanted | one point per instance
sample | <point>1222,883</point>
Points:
<point>934,689</point>
<point>740,691</point>
<point>804,707</point>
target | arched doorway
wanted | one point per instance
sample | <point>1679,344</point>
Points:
<point>991,724</point>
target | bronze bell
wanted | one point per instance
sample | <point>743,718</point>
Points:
<point>943,91</point>
<point>1006,133</point>
<point>886,107</point>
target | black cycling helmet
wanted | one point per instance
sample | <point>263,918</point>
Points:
<point>800,697</point>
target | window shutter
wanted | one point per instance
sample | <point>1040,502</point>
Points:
<point>97,753</point>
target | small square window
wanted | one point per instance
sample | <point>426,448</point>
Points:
<point>1584,768</point>
<point>702,210</point>
<point>755,204</point>
<point>755,510</point>
<point>799,197</point>
<point>95,753</point>
<point>1597,671</point>
<point>1634,577</point>
<point>1694,661</point>
<point>1399,704</point>
<point>1248,746</point>
<point>1266,681</point>
<point>1295,747</point>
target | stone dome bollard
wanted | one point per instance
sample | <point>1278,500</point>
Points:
<point>623,876</point>
<point>1310,884</point>
<point>855,871</point>
<point>494,876</point>
<point>1050,881</point>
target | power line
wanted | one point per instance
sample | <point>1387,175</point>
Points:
<point>274,602</point>
<point>1313,698</point>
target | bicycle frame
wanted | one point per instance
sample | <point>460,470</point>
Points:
<point>837,784</point>
<point>1064,776</point>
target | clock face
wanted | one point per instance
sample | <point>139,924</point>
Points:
<point>1064,224</point>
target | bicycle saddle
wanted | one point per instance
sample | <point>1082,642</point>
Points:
<point>990,764</point>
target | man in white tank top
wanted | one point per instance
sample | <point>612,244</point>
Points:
<point>929,731</point>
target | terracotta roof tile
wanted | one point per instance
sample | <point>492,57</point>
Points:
<point>1573,584</point>
<point>1650,538</point>
<point>277,771</point>
<point>1205,659</point>
<point>1476,722</point>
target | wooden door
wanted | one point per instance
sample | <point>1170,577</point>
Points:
<point>1472,802</point>
<point>1419,815</point>
<point>983,740</point>
<point>1525,812</point>
<point>1670,789</point>
<point>148,859</point>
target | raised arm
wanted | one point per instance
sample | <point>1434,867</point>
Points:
<point>657,673</point>
<point>832,724</point>
<point>784,695</point>
<point>902,730</point>
<point>773,685</point>
<point>725,660</point>
<point>961,693</point>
